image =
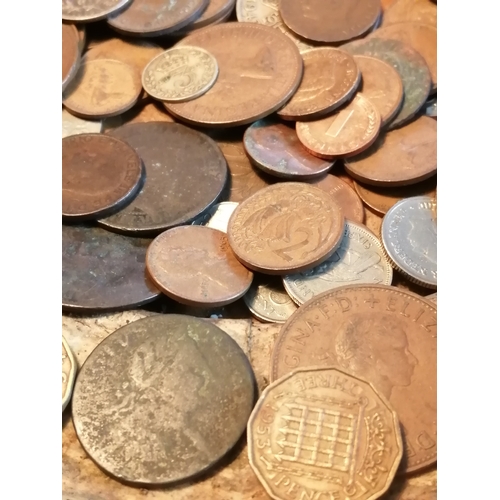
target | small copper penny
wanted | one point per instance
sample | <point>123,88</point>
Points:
<point>102,88</point>
<point>91,10</point>
<point>330,79</point>
<point>185,175</point>
<point>259,70</point>
<point>70,53</point>
<point>345,133</point>
<point>100,175</point>
<point>382,85</point>
<point>290,226</point>
<point>195,265</point>
<point>383,334</point>
<point>400,157</point>
<point>162,399</point>
<point>275,148</point>
<point>419,11</point>
<point>103,271</point>
<point>156,17</point>
<point>329,21</point>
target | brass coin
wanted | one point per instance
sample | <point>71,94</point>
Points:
<point>195,265</point>
<point>68,373</point>
<point>91,10</point>
<point>162,399</point>
<point>286,227</point>
<point>70,53</point>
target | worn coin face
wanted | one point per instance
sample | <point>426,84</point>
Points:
<point>275,148</point>
<point>286,227</point>
<point>330,79</point>
<point>400,157</point>
<point>72,125</point>
<point>195,265</point>
<point>420,11</point>
<point>344,133</point>
<point>318,433</point>
<point>253,82</point>
<point>162,399</point>
<point>409,235</point>
<point>180,74</point>
<point>91,10</point>
<point>185,174</point>
<point>70,53</point>
<point>383,334</point>
<point>217,216</point>
<point>100,175</point>
<point>68,373</point>
<point>103,271</point>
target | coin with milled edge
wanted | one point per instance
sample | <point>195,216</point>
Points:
<point>217,216</point>
<point>162,399</point>
<point>70,53</point>
<point>68,373</point>
<point>91,10</point>
<point>409,236</point>
<point>72,125</point>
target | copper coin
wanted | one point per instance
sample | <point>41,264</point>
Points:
<point>420,11</point>
<point>259,70</point>
<point>290,226</point>
<point>70,53</point>
<point>103,271</point>
<point>276,149</point>
<point>162,399</point>
<point>380,333</point>
<point>382,85</point>
<point>185,174</point>
<point>329,21</point>
<point>330,79</point>
<point>318,433</point>
<point>100,175</point>
<point>195,265</point>
<point>150,112</point>
<point>215,11</point>
<point>410,65</point>
<point>433,297</point>
<point>400,157</point>
<point>91,10</point>
<point>344,196</point>
<point>382,199</point>
<point>345,133</point>
<point>102,88</point>
<point>156,17</point>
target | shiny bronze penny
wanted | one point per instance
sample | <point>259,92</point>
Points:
<point>290,226</point>
<point>162,399</point>
<point>185,174</point>
<point>103,271</point>
<point>156,17</point>
<point>419,11</point>
<point>330,79</point>
<point>195,265</point>
<point>344,133</point>
<point>400,157</point>
<point>70,53</point>
<point>100,175</point>
<point>259,70</point>
<point>275,148</point>
<point>382,85</point>
<point>380,333</point>
<point>91,10</point>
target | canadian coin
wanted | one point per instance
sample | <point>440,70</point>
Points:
<point>68,373</point>
<point>72,125</point>
<point>217,216</point>
<point>70,53</point>
<point>91,10</point>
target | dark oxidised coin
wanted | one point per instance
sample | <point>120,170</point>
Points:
<point>185,174</point>
<point>103,271</point>
<point>162,399</point>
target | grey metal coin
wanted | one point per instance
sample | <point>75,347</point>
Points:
<point>162,399</point>
<point>359,260</point>
<point>409,236</point>
<point>72,125</point>
<point>217,216</point>
<point>430,107</point>
<point>433,297</point>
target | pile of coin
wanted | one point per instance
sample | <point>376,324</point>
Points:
<point>284,163</point>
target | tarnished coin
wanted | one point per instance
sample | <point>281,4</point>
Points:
<point>383,334</point>
<point>254,81</point>
<point>217,216</point>
<point>275,148</point>
<point>400,157</point>
<point>216,11</point>
<point>290,226</point>
<point>330,79</point>
<point>409,236</point>
<point>162,399</point>
<point>185,174</point>
<point>268,301</point>
<point>91,10</point>
<point>195,265</point>
<point>102,88</point>
<point>100,175</point>
<point>70,53</point>
<point>420,11</point>
<point>382,85</point>
<point>72,125</point>
<point>324,433</point>
<point>180,74</point>
<point>103,271</point>
<point>68,373</point>
<point>82,37</point>
<point>329,21</point>
<point>433,297</point>
<point>149,112</point>
<point>344,133</point>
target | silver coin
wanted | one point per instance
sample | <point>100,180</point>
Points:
<point>72,125</point>
<point>217,217</point>
<point>409,236</point>
<point>359,260</point>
